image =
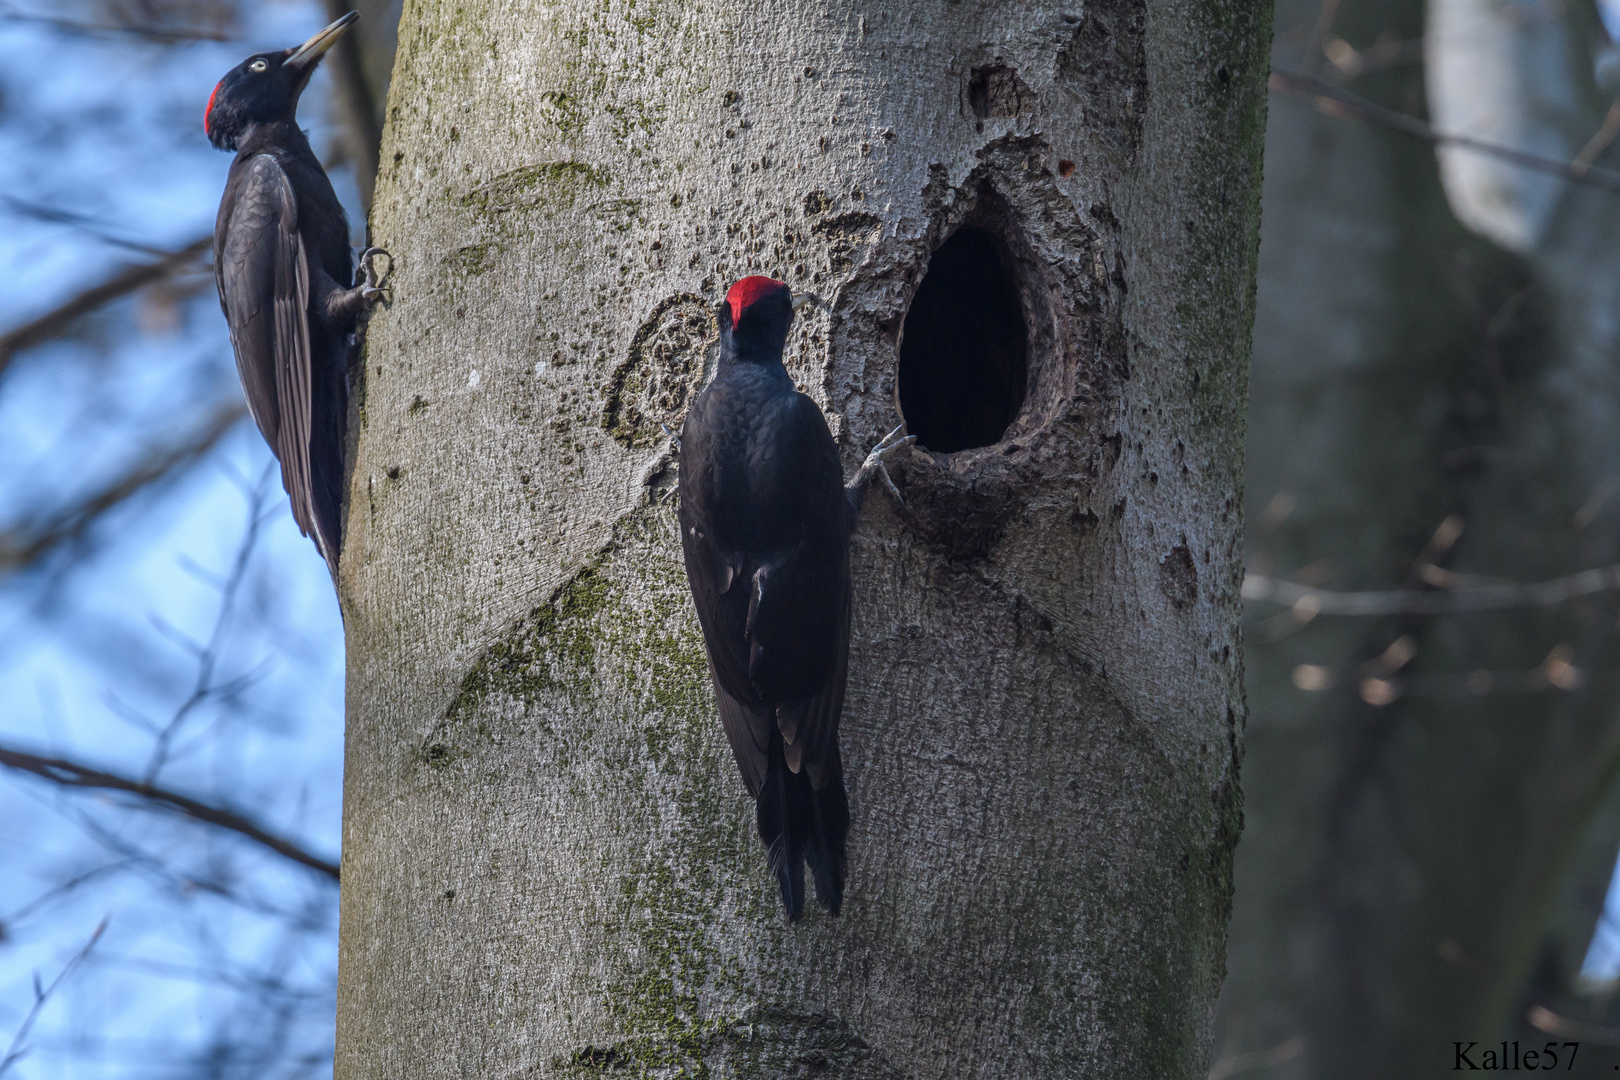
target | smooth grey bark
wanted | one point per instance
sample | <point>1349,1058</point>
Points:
<point>550,865</point>
<point>1408,867</point>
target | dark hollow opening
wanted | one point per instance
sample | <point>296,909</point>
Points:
<point>963,363</point>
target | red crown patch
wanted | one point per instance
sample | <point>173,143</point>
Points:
<point>746,291</point>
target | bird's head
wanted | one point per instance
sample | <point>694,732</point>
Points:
<point>264,88</point>
<point>755,318</point>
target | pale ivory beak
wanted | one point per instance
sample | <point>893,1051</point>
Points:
<point>312,50</point>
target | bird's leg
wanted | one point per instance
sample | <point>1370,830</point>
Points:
<point>374,287</point>
<point>674,439</point>
<point>347,307</point>
<point>873,466</point>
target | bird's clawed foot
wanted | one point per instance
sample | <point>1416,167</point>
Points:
<point>810,299</point>
<point>674,439</point>
<point>873,465</point>
<point>374,287</point>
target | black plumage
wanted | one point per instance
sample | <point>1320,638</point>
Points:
<point>766,520</point>
<point>286,279</point>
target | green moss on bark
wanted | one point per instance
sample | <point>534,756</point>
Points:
<point>558,182</point>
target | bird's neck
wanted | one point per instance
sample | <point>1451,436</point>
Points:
<point>751,351</point>
<point>760,361</point>
<point>753,381</point>
<point>282,135</point>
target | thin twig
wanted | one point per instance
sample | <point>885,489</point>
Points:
<point>41,995</point>
<point>53,322</point>
<point>207,657</point>
<point>85,223</point>
<point>159,34</point>
<point>71,774</point>
<point>22,546</point>
<point>63,889</point>
<point>182,883</point>
<point>1345,103</point>
<point>1600,140</point>
<point>1307,602</point>
<point>1546,1020</point>
<point>265,985</point>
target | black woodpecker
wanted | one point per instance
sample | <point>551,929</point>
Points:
<point>766,520</point>
<point>287,280</point>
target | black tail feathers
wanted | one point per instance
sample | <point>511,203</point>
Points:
<point>802,825</point>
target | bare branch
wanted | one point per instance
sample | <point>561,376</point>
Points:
<point>1343,103</point>
<point>53,322</point>
<point>307,917</point>
<point>1307,603</point>
<point>41,995</point>
<point>21,546</point>
<point>70,774</point>
<point>163,35</point>
<point>1546,1020</point>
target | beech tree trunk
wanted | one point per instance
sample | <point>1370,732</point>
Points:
<point>550,866</point>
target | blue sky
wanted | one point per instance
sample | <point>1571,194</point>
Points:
<point>96,654</point>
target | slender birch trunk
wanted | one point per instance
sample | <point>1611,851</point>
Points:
<point>1034,229</point>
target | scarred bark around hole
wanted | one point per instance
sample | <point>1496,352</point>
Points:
<point>550,867</point>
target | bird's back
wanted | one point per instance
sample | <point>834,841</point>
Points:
<point>765,528</point>
<point>760,466</point>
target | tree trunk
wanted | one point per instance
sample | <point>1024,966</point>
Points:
<point>550,865</point>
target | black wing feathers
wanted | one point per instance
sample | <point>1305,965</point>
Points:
<point>800,824</point>
<point>748,730</point>
<point>263,276</point>
<point>814,719</point>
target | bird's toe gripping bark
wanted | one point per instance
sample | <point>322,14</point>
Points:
<point>873,465</point>
<point>374,287</point>
<point>674,439</point>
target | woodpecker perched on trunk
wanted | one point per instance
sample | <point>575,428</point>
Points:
<point>286,278</point>
<point>766,520</point>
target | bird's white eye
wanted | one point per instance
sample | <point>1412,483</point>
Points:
<point>257,65</point>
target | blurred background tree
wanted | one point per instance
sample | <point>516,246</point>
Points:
<point>1431,822</point>
<point>1432,818</point>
